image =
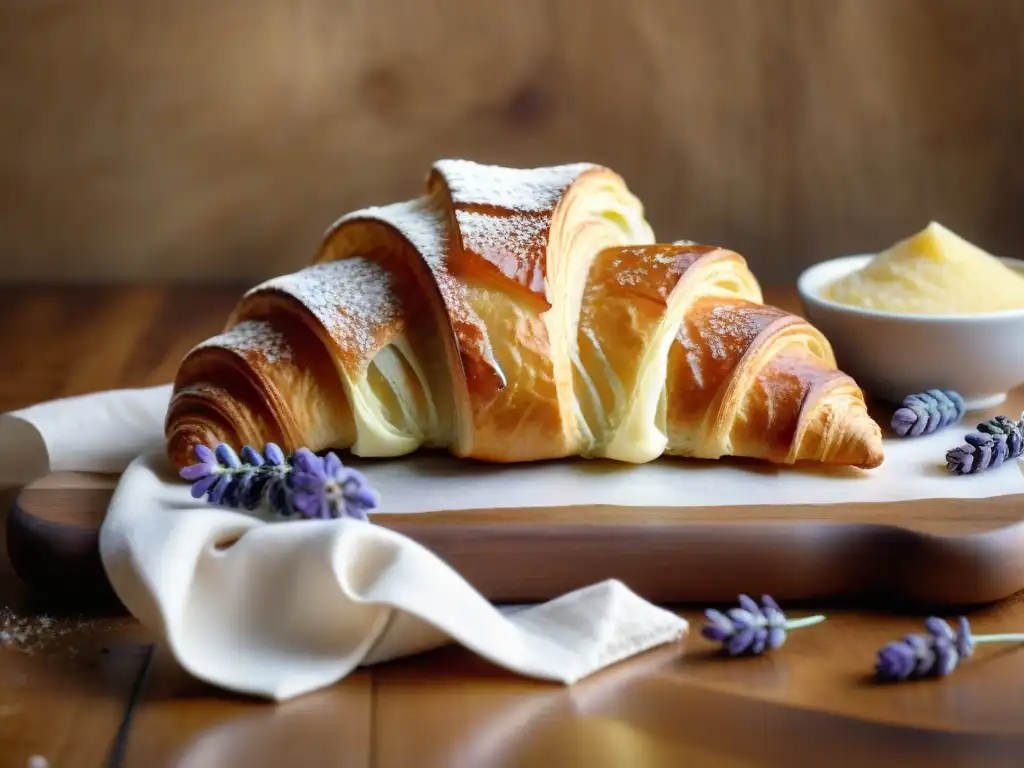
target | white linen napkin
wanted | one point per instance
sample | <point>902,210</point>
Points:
<point>277,609</point>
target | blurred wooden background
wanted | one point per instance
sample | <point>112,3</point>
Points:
<point>196,140</point>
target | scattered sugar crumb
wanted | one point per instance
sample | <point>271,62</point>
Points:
<point>45,634</point>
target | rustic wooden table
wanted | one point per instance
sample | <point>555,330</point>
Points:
<point>79,689</point>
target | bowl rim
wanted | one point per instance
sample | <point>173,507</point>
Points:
<point>811,296</point>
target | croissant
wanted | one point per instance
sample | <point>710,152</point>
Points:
<point>513,315</point>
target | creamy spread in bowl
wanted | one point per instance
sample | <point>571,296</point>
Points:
<point>935,272</point>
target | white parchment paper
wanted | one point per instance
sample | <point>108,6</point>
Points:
<point>914,468</point>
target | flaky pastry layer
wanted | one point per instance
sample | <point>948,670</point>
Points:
<point>520,315</point>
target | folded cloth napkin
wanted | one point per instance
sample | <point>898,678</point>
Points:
<point>280,608</point>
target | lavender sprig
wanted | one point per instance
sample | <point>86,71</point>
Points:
<point>934,653</point>
<point>752,628</point>
<point>306,485</point>
<point>996,441</point>
<point>927,412</point>
<point>324,488</point>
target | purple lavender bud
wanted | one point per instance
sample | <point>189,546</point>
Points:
<point>346,491</point>
<point>772,610</point>
<point>205,455</point>
<point>307,462</point>
<point>308,485</point>
<point>741,642</point>
<point>227,456</point>
<point>195,472</point>
<point>905,420</point>
<point>274,454</point>
<point>742,619</point>
<point>332,464</point>
<point>251,495</point>
<point>359,499</point>
<point>964,639</point>
<point>960,460</point>
<point>924,654</point>
<point>202,485</point>
<point>934,654</point>
<point>251,456</point>
<point>219,488</point>
<point>309,504</point>
<point>895,661</point>
<point>207,465</point>
<point>996,441</point>
<point>751,628</point>
<point>277,498</point>
<point>237,489</point>
<point>946,657</point>
<point>760,641</point>
<point>1010,430</point>
<point>718,628</point>
<point>938,628</point>
<point>927,412</point>
<point>985,451</point>
<point>750,606</point>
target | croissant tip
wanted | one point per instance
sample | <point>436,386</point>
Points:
<point>874,461</point>
<point>873,453</point>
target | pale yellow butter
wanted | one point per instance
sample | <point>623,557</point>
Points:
<point>935,272</point>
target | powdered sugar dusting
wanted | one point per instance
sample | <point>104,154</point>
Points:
<point>425,225</point>
<point>663,266</point>
<point>42,634</point>
<point>422,223</point>
<point>513,243</point>
<point>728,330</point>
<point>524,190</point>
<point>630,277</point>
<point>514,234</point>
<point>694,355</point>
<point>352,299</point>
<point>253,337</point>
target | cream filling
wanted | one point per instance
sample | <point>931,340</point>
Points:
<point>617,218</point>
<point>378,433</point>
<point>599,422</point>
<point>641,435</point>
<point>639,438</point>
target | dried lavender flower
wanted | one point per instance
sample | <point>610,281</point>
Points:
<point>934,653</point>
<point>996,441</point>
<point>752,628</point>
<point>927,412</point>
<point>325,488</point>
<point>303,485</point>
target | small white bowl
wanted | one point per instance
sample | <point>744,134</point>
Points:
<point>893,355</point>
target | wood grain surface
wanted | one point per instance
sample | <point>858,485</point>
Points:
<point>929,552</point>
<point>216,141</point>
<point>94,690</point>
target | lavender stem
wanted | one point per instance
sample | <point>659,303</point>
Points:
<point>809,621</point>
<point>1007,638</point>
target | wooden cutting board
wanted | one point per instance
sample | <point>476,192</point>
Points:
<point>929,552</point>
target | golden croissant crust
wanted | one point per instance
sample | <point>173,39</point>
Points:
<point>519,315</point>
